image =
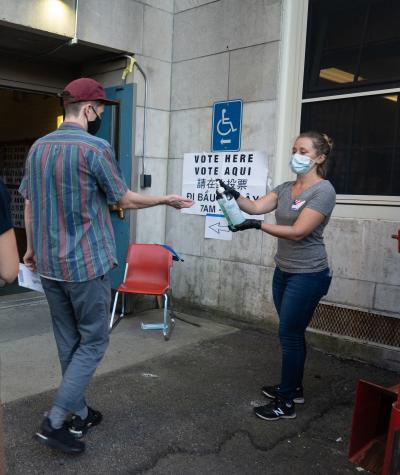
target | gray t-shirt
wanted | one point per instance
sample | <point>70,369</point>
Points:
<point>309,254</point>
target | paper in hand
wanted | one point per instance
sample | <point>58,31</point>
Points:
<point>29,279</point>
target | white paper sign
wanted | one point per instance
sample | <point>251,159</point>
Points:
<point>217,228</point>
<point>29,279</point>
<point>245,171</point>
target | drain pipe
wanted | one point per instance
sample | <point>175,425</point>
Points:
<point>145,180</point>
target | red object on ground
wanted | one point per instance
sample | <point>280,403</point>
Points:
<point>376,418</point>
<point>397,236</point>
<point>391,464</point>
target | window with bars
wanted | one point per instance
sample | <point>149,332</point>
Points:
<point>351,91</point>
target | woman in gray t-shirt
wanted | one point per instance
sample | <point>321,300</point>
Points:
<point>302,276</point>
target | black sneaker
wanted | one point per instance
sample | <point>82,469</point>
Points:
<point>271,392</point>
<point>78,427</point>
<point>275,410</point>
<point>59,439</point>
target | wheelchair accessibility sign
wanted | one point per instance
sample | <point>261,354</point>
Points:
<point>227,126</point>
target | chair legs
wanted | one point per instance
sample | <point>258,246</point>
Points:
<point>168,324</point>
<point>114,321</point>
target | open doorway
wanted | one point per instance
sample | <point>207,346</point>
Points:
<point>25,117</point>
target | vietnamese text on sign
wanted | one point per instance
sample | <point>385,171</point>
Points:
<point>245,171</point>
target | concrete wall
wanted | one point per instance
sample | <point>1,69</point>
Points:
<point>223,50</point>
<point>125,25</point>
<point>53,16</point>
<point>365,264</point>
<point>144,28</point>
<point>155,59</point>
<point>230,49</point>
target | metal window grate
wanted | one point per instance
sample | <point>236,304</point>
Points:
<point>365,326</point>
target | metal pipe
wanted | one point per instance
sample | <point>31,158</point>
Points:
<point>75,38</point>
<point>145,114</point>
<point>129,58</point>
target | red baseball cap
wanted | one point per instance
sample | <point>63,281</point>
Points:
<point>85,89</point>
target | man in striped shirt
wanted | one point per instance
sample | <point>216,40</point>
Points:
<point>71,178</point>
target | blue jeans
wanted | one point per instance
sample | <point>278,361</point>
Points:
<point>80,313</point>
<point>296,297</point>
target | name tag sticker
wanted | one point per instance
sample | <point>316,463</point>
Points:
<point>297,204</point>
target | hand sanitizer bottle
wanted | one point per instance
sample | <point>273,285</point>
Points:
<point>230,208</point>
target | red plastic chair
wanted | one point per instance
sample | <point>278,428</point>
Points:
<point>147,272</point>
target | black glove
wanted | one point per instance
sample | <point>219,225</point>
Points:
<point>248,224</point>
<point>229,189</point>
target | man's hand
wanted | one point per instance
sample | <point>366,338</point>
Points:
<point>229,189</point>
<point>178,202</point>
<point>29,260</point>
<point>248,224</point>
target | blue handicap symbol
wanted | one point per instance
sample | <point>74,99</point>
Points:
<point>227,125</point>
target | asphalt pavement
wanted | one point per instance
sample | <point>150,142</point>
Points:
<point>181,407</point>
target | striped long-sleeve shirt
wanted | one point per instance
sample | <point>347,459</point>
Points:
<point>70,179</point>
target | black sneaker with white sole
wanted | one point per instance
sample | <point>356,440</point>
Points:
<point>60,439</point>
<point>275,410</point>
<point>78,426</point>
<point>272,393</point>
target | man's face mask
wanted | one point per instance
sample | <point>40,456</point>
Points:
<point>94,125</point>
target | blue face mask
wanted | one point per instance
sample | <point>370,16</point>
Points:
<point>300,164</point>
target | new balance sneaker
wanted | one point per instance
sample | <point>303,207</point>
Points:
<point>78,427</point>
<point>271,392</point>
<point>60,439</point>
<point>275,410</point>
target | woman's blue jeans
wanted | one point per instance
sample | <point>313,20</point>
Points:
<point>296,297</point>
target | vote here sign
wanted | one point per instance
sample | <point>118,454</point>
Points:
<point>246,171</point>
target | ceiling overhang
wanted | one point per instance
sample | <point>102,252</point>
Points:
<point>39,46</point>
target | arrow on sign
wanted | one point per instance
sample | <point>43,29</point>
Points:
<point>225,141</point>
<point>217,227</point>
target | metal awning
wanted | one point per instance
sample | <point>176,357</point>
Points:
<point>37,46</point>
